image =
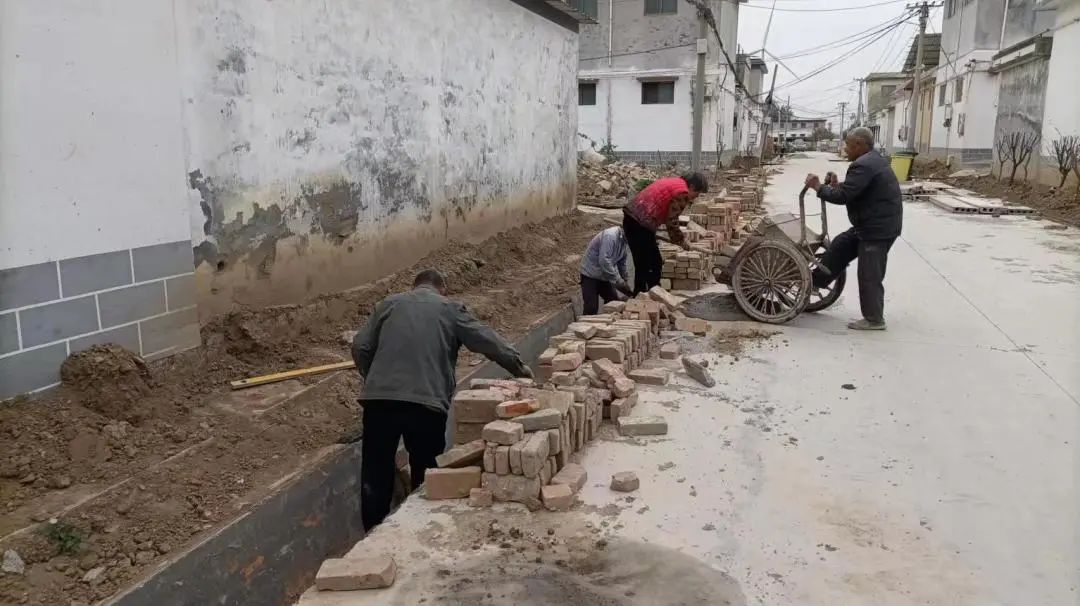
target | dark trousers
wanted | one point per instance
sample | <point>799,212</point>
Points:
<point>592,290</point>
<point>385,423</point>
<point>873,255</point>
<point>645,252</point>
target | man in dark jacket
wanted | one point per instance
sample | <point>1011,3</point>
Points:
<point>407,353</point>
<point>871,194</point>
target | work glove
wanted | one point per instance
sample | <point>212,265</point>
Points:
<point>624,288</point>
<point>526,372</point>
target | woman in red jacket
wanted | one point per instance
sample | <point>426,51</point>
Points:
<point>658,204</point>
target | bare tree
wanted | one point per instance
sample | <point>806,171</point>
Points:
<point>1002,146</point>
<point>1065,148</point>
<point>1020,145</point>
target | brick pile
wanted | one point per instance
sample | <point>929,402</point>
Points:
<point>513,439</point>
<point>687,270</point>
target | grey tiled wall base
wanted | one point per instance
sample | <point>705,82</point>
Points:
<point>142,299</point>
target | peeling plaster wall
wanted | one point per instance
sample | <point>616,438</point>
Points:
<point>1027,18</point>
<point>331,143</point>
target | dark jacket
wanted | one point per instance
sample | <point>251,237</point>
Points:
<point>872,196</point>
<point>408,348</point>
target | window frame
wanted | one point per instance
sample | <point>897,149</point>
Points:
<point>656,83</point>
<point>958,85</point>
<point>592,85</point>
<point>659,7</point>
<point>943,94</point>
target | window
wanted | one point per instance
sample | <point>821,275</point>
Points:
<point>586,6</point>
<point>661,7</point>
<point>958,84</point>
<point>887,90</point>
<point>941,94</point>
<point>586,93</point>
<point>950,8</point>
<point>654,93</point>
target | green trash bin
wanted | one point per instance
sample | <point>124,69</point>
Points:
<point>901,162</point>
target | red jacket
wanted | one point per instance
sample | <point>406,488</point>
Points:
<point>652,206</point>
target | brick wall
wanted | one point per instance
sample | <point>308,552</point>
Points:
<point>142,299</point>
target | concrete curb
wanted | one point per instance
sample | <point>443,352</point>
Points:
<point>270,554</point>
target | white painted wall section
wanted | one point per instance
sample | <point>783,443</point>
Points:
<point>91,150</point>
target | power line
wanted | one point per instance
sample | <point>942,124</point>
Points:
<point>640,52</point>
<point>837,60</point>
<point>852,39</point>
<point>822,10</point>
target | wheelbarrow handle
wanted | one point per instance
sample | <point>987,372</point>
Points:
<point>802,215</point>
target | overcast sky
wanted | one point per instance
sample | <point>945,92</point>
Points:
<point>800,25</point>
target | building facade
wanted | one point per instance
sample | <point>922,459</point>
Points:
<point>164,161</point>
<point>637,66</point>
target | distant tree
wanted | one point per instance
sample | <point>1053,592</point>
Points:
<point>822,134</point>
<point>1065,149</point>
<point>1019,147</point>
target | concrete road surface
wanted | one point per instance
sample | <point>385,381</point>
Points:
<point>935,463</point>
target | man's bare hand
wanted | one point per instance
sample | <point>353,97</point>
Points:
<point>813,181</point>
<point>831,179</point>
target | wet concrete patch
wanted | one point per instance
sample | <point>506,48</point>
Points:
<point>714,307</point>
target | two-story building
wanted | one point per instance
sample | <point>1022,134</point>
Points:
<point>636,80</point>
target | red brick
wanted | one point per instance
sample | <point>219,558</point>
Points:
<point>567,361</point>
<point>481,497</point>
<point>557,497</point>
<point>477,405</point>
<point>516,408</point>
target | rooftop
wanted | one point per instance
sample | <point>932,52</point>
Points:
<point>931,51</point>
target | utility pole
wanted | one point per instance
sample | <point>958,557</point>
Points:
<point>916,83</point>
<point>699,92</point>
<point>843,108</point>
<point>858,118</point>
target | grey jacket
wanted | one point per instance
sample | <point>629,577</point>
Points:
<point>872,196</point>
<point>605,258</point>
<point>408,348</point>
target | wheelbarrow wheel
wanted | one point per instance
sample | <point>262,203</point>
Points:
<point>822,298</point>
<point>771,281</point>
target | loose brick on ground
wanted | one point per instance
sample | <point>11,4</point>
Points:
<point>697,372</point>
<point>694,325</point>
<point>451,483</point>
<point>625,481</point>
<point>642,426</point>
<point>650,376</point>
<point>572,475</point>
<point>662,296</point>
<point>670,351</point>
<point>557,497</point>
<point>607,370</point>
<point>356,573</point>
<point>503,432</point>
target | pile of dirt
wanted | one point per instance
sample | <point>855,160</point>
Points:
<point>134,460</point>
<point>113,379</point>
<point>610,185</point>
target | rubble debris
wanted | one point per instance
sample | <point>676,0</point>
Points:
<point>610,184</point>
<point>697,372</point>
<point>453,483</point>
<point>354,574</point>
<point>625,481</point>
<point>481,497</point>
<point>12,563</point>
<point>642,426</point>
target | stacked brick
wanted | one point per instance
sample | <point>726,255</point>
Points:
<point>686,270</point>
<point>513,440</point>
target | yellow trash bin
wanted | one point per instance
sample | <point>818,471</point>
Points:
<point>901,164</point>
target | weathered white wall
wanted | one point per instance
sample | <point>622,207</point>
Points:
<point>91,151</point>
<point>1061,115</point>
<point>333,142</point>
